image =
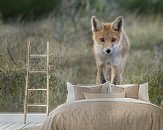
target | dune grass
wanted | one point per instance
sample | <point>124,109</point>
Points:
<point>71,57</point>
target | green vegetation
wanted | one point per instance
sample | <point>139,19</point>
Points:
<point>71,55</point>
<point>34,9</point>
<point>26,9</point>
<point>142,6</point>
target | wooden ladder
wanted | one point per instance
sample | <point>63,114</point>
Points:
<point>29,71</point>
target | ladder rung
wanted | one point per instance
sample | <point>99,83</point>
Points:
<point>36,105</point>
<point>37,71</point>
<point>37,89</point>
<point>35,56</point>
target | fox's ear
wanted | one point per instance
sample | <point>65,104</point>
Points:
<point>96,24</point>
<point>118,24</point>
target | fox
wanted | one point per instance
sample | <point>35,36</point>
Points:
<point>111,46</point>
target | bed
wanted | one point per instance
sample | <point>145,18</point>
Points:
<point>105,114</point>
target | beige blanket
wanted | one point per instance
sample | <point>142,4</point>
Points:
<point>105,114</point>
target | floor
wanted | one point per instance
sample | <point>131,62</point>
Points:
<point>15,121</point>
<point>17,126</point>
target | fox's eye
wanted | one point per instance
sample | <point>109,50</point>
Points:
<point>102,39</point>
<point>113,39</point>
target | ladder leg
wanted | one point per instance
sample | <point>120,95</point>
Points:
<point>25,102</point>
<point>26,87</point>
<point>47,69</point>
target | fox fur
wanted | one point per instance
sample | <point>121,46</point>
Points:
<point>110,47</point>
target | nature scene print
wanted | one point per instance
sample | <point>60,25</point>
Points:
<point>66,24</point>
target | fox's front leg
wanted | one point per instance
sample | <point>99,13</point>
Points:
<point>100,76</point>
<point>115,75</point>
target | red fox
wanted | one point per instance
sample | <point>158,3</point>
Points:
<point>110,49</point>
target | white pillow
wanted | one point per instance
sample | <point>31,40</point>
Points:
<point>71,94</point>
<point>143,92</point>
